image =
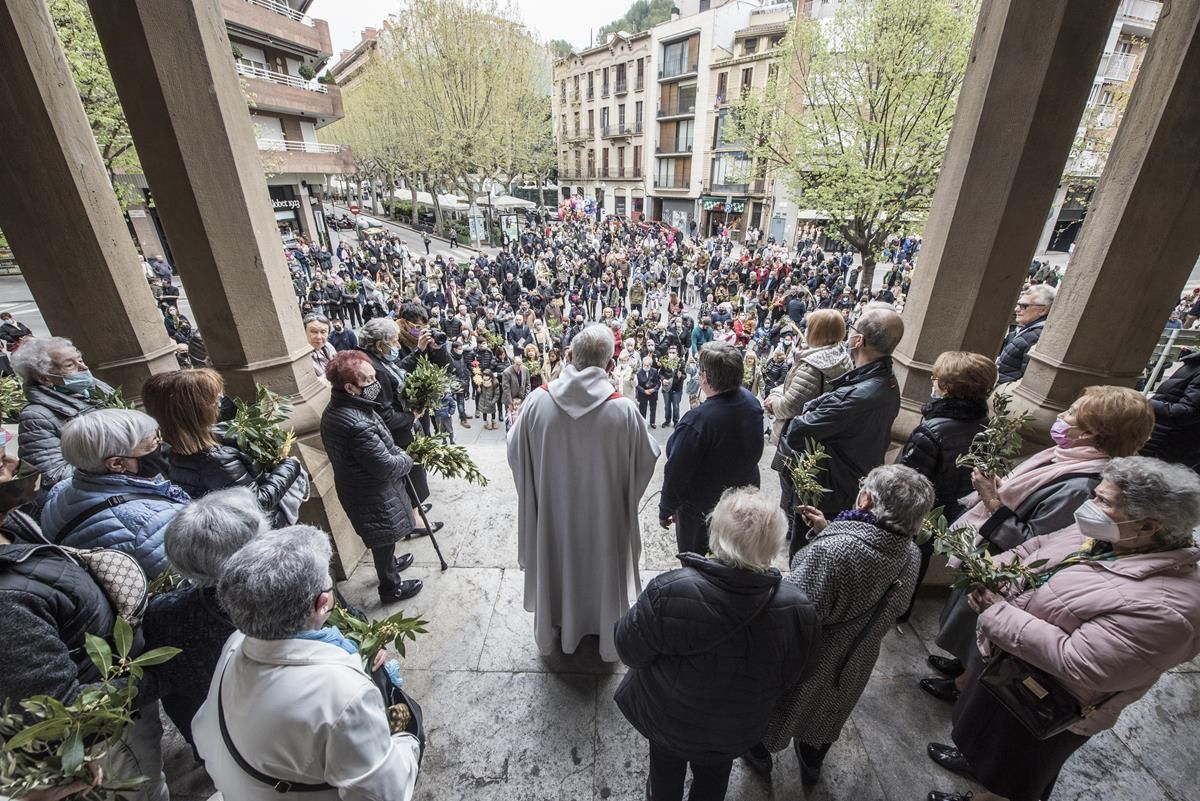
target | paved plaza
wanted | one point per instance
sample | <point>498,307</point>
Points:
<point>506,724</point>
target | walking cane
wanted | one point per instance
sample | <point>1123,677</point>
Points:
<point>413,492</point>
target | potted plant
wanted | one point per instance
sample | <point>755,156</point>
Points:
<point>307,72</point>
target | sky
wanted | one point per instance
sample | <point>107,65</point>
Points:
<point>551,19</point>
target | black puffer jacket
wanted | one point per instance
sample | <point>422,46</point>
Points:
<point>1014,356</point>
<point>368,469</point>
<point>225,466</point>
<point>392,406</point>
<point>1176,405</point>
<point>853,420</point>
<point>945,433</point>
<point>40,429</point>
<point>712,705</point>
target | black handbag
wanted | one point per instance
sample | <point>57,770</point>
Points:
<point>1033,696</point>
<point>394,696</point>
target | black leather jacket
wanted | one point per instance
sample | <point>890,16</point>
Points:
<point>945,433</point>
<point>225,466</point>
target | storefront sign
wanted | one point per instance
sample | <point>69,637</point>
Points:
<point>710,203</point>
<point>285,204</point>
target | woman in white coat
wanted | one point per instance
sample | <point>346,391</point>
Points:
<point>291,713</point>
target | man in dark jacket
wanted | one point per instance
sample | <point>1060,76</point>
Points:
<point>1030,315</point>
<point>12,331</point>
<point>712,647</point>
<point>1176,405</point>
<point>853,420</point>
<point>716,446</point>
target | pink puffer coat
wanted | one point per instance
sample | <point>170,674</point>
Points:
<point>1101,627</point>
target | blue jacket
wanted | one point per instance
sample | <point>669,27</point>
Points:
<point>715,446</point>
<point>135,527</point>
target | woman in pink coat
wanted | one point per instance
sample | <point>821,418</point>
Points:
<point>1116,605</point>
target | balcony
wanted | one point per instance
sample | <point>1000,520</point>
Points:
<point>684,107</point>
<point>673,184</point>
<point>279,25</point>
<point>589,132</point>
<point>604,172</point>
<point>591,171</point>
<point>1116,66</point>
<point>677,71</point>
<point>673,149</point>
<point>637,127</point>
<point>1141,14</point>
<point>641,83</point>
<point>288,156</point>
<point>270,90</point>
<point>591,95</point>
<point>616,131</point>
<point>604,91</point>
<point>621,86</point>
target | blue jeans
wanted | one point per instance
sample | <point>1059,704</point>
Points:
<point>672,406</point>
<point>460,399</point>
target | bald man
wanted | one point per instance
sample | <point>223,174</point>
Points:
<point>853,419</point>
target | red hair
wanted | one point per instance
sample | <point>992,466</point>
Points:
<point>343,368</point>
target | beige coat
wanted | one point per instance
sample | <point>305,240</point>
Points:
<point>807,379</point>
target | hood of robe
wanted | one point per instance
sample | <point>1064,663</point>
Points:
<point>577,392</point>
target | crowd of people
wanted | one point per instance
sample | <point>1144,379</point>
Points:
<point>574,335</point>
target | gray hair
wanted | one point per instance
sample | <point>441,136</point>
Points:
<point>202,537</point>
<point>269,586</point>
<point>375,330</point>
<point>722,364</point>
<point>32,360</point>
<point>593,346</point>
<point>315,318</point>
<point>89,439</point>
<point>1043,294</point>
<point>746,529</point>
<point>876,333</point>
<point>1156,490</point>
<point>901,496</point>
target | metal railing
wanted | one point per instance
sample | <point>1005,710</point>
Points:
<point>621,86</point>
<point>591,172</point>
<point>604,91</point>
<point>280,78</point>
<point>672,147</point>
<point>604,172</point>
<point>614,131</point>
<point>641,83</point>
<point>665,72</point>
<point>729,188</point>
<point>678,108</point>
<point>1140,10</point>
<point>284,10</point>
<point>293,146</point>
<point>637,170</point>
<point>637,127</point>
<point>1117,66</point>
<point>672,183</point>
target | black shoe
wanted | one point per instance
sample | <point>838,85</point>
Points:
<point>934,795</point>
<point>942,689</point>
<point>425,507</point>
<point>424,532</point>
<point>759,759</point>
<point>407,589</point>
<point>950,758</point>
<point>403,562</point>
<point>946,665</point>
<point>809,774</point>
<point>653,426</point>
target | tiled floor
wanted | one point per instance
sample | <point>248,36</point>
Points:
<point>508,724</point>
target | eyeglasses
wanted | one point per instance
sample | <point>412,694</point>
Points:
<point>1024,306</point>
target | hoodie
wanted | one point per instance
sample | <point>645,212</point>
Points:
<point>577,392</point>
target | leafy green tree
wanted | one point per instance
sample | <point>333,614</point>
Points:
<point>857,115</point>
<point>641,16</point>
<point>559,48</point>
<point>95,85</point>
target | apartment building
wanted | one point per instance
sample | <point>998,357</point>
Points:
<point>348,70</point>
<point>1128,39</point>
<point>277,50</point>
<point>600,102</point>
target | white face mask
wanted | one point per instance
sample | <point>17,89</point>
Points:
<point>1094,522</point>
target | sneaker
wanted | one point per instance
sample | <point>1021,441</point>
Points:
<point>405,590</point>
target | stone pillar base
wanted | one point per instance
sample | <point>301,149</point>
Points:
<point>323,509</point>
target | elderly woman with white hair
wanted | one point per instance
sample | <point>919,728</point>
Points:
<point>712,647</point>
<point>117,497</point>
<point>860,571</point>
<point>1114,605</point>
<point>58,388</point>
<point>291,708</point>
<point>199,540</point>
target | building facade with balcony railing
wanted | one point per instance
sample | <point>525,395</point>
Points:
<point>616,72</point>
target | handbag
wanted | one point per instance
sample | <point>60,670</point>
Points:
<point>710,646</point>
<point>1034,697</point>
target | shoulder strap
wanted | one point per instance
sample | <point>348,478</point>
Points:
<point>95,509</point>
<point>739,626</point>
<point>280,785</point>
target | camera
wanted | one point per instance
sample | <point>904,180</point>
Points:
<point>438,336</point>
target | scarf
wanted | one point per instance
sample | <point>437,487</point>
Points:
<point>333,636</point>
<point>1037,471</point>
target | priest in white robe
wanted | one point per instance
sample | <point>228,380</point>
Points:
<point>581,457</point>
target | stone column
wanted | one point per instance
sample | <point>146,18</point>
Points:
<point>1141,237</point>
<point>1026,85</point>
<point>171,64</point>
<point>60,214</point>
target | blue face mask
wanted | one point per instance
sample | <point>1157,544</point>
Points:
<point>393,354</point>
<point>79,383</point>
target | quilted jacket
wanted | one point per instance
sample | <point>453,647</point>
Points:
<point>368,469</point>
<point>945,433</point>
<point>135,527</point>
<point>40,428</point>
<point>807,379</point>
<point>1014,356</point>
<point>1176,405</point>
<point>712,703</point>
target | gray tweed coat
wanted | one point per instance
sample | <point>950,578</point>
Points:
<point>845,571</point>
